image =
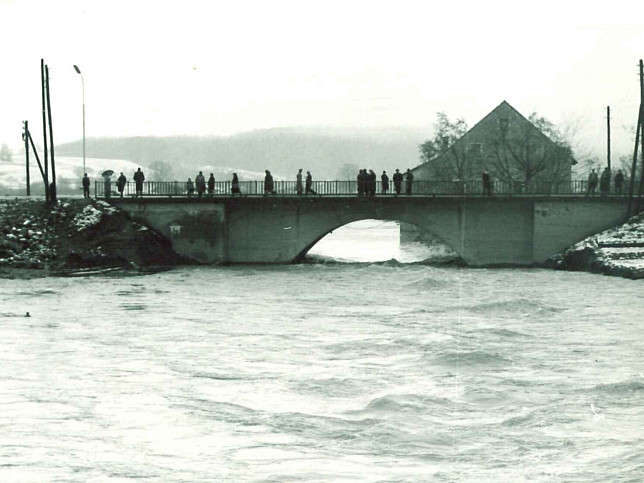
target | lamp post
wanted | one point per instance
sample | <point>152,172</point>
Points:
<point>83,84</point>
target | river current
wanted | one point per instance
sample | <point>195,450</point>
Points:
<point>373,370</point>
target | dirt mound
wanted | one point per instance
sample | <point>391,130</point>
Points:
<point>76,234</point>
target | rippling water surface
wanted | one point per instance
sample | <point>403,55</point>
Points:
<point>323,372</point>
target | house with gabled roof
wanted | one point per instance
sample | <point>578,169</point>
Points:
<point>507,145</point>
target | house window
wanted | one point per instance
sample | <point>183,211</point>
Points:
<point>504,124</point>
<point>476,149</point>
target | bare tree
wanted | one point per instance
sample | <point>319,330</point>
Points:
<point>534,155</point>
<point>454,161</point>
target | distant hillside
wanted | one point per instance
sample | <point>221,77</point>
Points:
<point>322,150</point>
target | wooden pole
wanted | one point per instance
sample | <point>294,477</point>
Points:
<point>638,129</point>
<point>640,191</point>
<point>25,137</point>
<point>42,172</point>
<point>634,165</point>
<point>53,196</point>
<point>608,137</point>
<point>44,128</point>
<point>641,128</point>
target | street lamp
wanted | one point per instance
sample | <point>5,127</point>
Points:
<point>83,83</point>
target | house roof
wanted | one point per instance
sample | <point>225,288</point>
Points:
<point>493,112</point>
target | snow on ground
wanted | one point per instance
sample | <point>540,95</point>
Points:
<point>618,249</point>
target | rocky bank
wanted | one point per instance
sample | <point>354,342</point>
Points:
<point>73,236</point>
<point>618,252</point>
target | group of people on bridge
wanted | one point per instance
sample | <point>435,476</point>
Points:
<point>121,182</point>
<point>200,184</point>
<point>367,182</point>
<point>604,182</point>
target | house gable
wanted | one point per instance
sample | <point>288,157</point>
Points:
<point>478,149</point>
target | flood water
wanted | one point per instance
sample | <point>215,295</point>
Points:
<point>374,370</point>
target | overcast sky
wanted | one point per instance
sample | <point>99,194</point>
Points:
<point>218,67</point>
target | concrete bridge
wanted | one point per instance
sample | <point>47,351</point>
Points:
<point>498,230</point>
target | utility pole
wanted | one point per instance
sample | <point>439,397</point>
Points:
<point>641,128</point>
<point>608,137</point>
<point>52,195</point>
<point>25,138</point>
<point>638,131</point>
<point>44,128</point>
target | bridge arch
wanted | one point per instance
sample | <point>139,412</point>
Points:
<point>378,235</point>
<point>315,225</point>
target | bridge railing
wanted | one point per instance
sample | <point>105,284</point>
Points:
<point>350,188</point>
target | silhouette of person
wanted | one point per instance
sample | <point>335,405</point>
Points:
<point>211,184</point>
<point>107,186</point>
<point>604,182</point>
<point>86,184</point>
<point>309,184</point>
<point>398,178</point>
<point>200,183</point>
<point>592,183</point>
<point>619,182</point>
<point>268,184</point>
<point>384,179</point>
<point>487,183</point>
<point>190,187</point>
<point>409,179</point>
<point>120,183</point>
<point>371,182</point>
<point>298,183</point>
<point>235,186</point>
<point>139,178</point>
<point>362,181</point>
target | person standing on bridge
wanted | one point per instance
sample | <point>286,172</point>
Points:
<point>619,182</point>
<point>268,184</point>
<point>384,179</point>
<point>120,183</point>
<point>409,179</point>
<point>211,184</point>
<point>235,186</point>
<point>398,178</point>
<point>139,177</point>
<point>361,179</point>
<point>604,182</point>
<point>592,183</point>
<point>371,179</point>
<point>200,183</point>
<point>190,187</point>
<point>86,184</point>
<point>309,184</point>
<point>107,189</point>
<point>298,183</point>
<point>487,183</point>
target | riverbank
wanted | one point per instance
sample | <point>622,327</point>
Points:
<point>74,236</point>
<point>617,252</point>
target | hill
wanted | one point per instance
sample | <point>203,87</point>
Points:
<point>322,150</point>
